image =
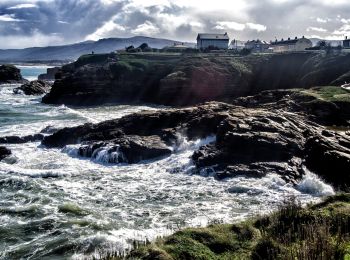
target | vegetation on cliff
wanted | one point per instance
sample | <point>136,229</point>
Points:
<point>319,231</point>
<point>173,79</point>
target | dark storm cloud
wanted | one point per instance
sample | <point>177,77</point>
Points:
<point>48,22</point>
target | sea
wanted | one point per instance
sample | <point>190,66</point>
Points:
<point>56,205</point>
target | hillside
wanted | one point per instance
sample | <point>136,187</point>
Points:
<point>73,51</point>
<point>191,78</point>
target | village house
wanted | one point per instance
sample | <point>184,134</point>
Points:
<point>297,44</point>
<point>206,40</point>
<point>346,43</point>
<point>257,46</point>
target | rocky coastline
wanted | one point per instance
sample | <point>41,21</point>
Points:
<point>283,137</point>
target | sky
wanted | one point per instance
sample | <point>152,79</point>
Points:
<point>28,23</point>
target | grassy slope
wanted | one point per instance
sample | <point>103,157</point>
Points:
<point>319,231</point>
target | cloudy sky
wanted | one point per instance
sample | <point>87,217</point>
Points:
<point>25,23</point>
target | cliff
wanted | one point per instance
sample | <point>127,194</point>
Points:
<point>189,79</point>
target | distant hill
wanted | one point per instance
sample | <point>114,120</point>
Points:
<point>73,51</point>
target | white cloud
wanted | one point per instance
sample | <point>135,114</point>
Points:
<point>109,29</point>
<point>316,29</point>
<point>229,25</point>
<point>256,27</point>
<point>147,28</point>
<point>22,6</point>
<point>343,30</point>
<point>36,39</point>
<point>343,20</point>
<point>320,20</point>
<point>9,18</point>
<point>226,25</point>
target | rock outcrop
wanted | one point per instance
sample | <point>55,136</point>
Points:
<point>21,139</point>
<point>49,75</point>
<point>249,141</point>
<point>36,87</point>
<point>190,79</point>
<point>9,74</point>
<point>4,152</point>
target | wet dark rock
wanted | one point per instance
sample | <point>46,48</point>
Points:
<point>36,87</point>
<point>9,74</point>
<point>126,149</point>
<point>249,141</point>
<point>21,139</point>
<point>4,152</point>
<point>330,158</point>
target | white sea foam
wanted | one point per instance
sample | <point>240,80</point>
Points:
<point>123,202</point>
<point>312,184</point>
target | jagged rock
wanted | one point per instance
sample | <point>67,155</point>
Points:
<point>249,141</point>
<point>4,152</point>
<point>126,149</point>
<point>36,87</point>
<point>9,74</point>
<point>330,158</point>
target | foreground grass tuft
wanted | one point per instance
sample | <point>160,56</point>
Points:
<point>320,231</point>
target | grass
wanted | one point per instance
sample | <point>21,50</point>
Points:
<point>329,93</point>
<point>320,231</point>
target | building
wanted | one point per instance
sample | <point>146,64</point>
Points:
<point>346,43</point>
<point>177,47</point>
<point>257,46</point>
<point>206,40</point>
<point>298,44</point>
<point>236,45</point>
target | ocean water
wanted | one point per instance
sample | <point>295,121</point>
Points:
<point>55,205</point>
<point>31,72</point>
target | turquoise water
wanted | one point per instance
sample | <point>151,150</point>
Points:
<point>32,72</point>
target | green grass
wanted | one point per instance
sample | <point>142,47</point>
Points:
<point>318,231</point>
<point>329,93</point>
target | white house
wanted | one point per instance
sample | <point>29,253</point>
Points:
<point>297,44</point>
<point>206,40</point>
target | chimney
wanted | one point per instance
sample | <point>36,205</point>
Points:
<point>225,33</point>
<point>303,36</point>
<point>288,38</point>
<point>346,37</point>
<point>296,38</point>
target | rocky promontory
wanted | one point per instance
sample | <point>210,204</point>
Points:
<point>280,137</point>
<point>9,74</point>
<point>189,79</point>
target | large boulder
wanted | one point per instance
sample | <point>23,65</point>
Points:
<point>4,152</point>
<point>9,74</point>
<point>125,149</point>
<point>36,87</point>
